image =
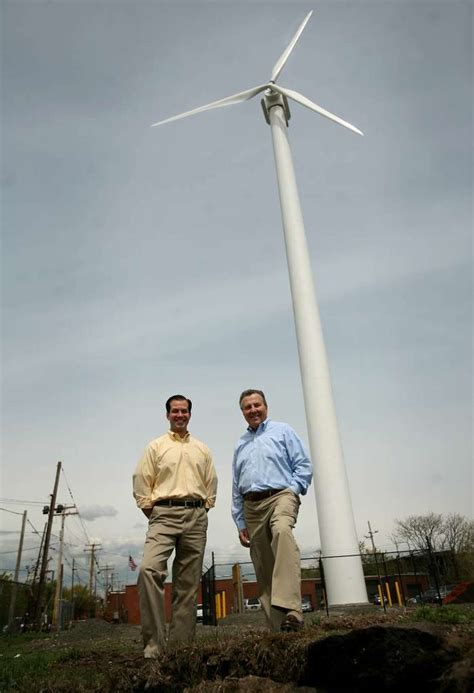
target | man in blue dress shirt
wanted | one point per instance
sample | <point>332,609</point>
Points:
<point>270,470</point>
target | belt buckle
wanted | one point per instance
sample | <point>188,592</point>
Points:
<point>188,504</point>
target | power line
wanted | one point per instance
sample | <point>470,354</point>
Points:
<point>73,534</point>
<point>31,548</point>
<point>34,528</point>
<point>13,512</point>
<point>15,500</point>
<point>77,507</point>
<point>12,570</point>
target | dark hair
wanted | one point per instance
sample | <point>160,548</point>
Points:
<point>247,393</point>
<point>170,399</point>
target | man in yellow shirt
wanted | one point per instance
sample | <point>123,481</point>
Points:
<point>174,485</point>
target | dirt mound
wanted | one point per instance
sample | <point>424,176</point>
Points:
<point>343,652</point>
<point>378,658</point>
<point>370,659</point>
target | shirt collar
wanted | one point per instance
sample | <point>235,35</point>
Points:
<point>176,436</point>
<point>260,428</point>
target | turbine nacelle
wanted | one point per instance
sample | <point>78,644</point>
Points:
<point>271,90</point>
<point>273,98</point>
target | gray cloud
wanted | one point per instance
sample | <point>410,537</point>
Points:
<point>92,512</point>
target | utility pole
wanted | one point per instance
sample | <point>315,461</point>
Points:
<point>59,581</point>
<point>44,563</point>
<point>11,612</point>
<point>374,550</point>
<point>72,587</point>
<point>105,569</point>
<point>371,537</point>
<point>92,548</point>
<point>40,552</point>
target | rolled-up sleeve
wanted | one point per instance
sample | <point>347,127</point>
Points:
<point>301,467</point>
<point>143,480</point>
<point>237,498</point>
<point>211,483</point>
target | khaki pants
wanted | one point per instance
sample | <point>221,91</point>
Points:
<point>183,530</point>
<point>275,554</point>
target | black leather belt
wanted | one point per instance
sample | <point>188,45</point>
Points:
<point>183,503</point>
<point>254,496</point>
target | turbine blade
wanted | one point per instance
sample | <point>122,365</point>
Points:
<point>281,62</point>
<point>227,101</point>
<point>314,107</point>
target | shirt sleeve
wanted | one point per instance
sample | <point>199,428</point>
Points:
<point>301,467</point>
<point>211,483</point>
<point>144,479</point>
<point>237,498</point>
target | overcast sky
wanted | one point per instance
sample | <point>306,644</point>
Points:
<point>139,262</point>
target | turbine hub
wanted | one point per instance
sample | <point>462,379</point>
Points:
<point>272,99</point>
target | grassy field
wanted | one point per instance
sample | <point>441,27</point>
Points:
<point>98,656</point>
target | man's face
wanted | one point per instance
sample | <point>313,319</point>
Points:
<point>179,416</point>
<point>254,410</point>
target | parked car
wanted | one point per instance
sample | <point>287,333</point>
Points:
<point>377,599</point>
<point>252,604</point>
<point>431,595</point>
<point>417,599</point>
<point>199,613</point>
<point>306,604</point>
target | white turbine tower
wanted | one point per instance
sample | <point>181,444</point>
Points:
<point>340,548</point>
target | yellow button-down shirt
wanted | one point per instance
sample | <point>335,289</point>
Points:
<point>175,467</point>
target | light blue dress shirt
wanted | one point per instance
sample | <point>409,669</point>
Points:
<point>269,458</point>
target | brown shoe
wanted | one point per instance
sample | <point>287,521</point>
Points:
<point>291,624</point>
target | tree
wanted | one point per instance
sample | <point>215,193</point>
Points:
<point>458,533</point>
<point>417,530</point>
<point>309,573</point>
<point>452,532</point>
<point>366,554</point>
<point>451,538</point>
<point>84,601</point>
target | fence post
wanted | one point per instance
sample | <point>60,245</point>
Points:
<point>402,586</point>
<point>380,582</point>
<point>238,588</point>
<point>323,583</point>
<point>208,589</point>
<point>387,583</point>
<point>435,571</point>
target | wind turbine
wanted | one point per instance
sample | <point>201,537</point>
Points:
<point>340,548</point>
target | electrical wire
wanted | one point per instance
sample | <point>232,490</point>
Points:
<point>76,505</point>
<point>31,548</point>
<point>13,512</point>
<point>23,502</point>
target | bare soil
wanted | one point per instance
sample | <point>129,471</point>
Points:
<point>365,650</point>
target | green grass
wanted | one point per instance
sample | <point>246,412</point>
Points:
<point>315,620</point>
<point>23,668</point>
<point>35,671</point>
<point>16,671</point>
<point>443,614</point>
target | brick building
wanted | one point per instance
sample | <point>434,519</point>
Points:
<point>124,605</point>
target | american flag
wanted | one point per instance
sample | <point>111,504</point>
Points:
<point>131,563</point>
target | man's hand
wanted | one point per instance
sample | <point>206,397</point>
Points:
<point>244,537</point>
